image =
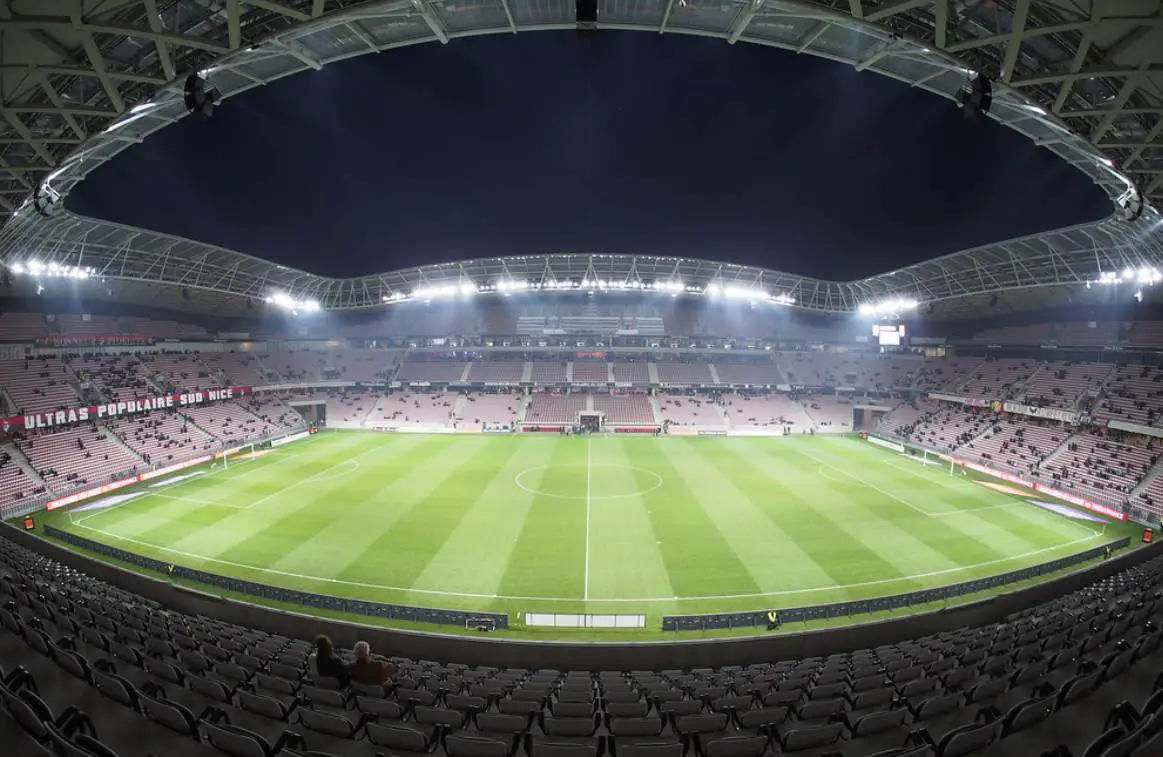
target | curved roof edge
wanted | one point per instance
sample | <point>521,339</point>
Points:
<point>1077,79</point>
<point>1071,256</point>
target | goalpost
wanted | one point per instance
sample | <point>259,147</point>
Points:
<point>932,458</point>
<point>246,451</point>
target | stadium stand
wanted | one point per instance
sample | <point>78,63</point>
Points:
<point>163,437</point>
<point>829,412</point>
<point>164,329</point>
<point>296,365</point>
<point>273,411</point>
<point>685,411</point>
<point>234,423</point>
<point>182,371</point>
<point>1090,334</point>
<point>496,370</point>
<point>684,374</point>
<point>104,672</point>
<point>821,368</point>
<point>767,412</point>
<point>431,370</point>
<point>946,428</point>
<point>80,455</point>
<point>1150,500</point>
<point>1134,393</point>
<point>364,366</point>
<point>236,368</point>
<point>416,410</point>
<point>1016,445</point>
<point>625,409</point>
<point>764,373</point>
<point>22,326</point>
<point>884,373</point>
<point>348,405</point>
<point>591,372</point>
<point>548,372</point>
<point>997,379</point>
<point>37,385</point>
<point>116,377</point>
<point>903,416</point>
<point>1147,334</point>
<point>1026,335</point>
<point>1061,384</point>
<point>632,372</point>
<point>14,482</point>
<point>475,410</point>
<point>87,325</point>
<point>552,409</point>
<point>946,375</point>
<point>1103,469</point>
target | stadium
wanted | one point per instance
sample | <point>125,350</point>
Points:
<point>584,503</point>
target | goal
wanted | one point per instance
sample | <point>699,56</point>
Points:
<point>591,420</point>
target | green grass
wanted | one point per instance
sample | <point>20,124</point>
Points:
<point>563,524</point>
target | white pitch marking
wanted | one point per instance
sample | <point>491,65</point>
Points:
<point>436,592</point>
<point>586,591</point>
<point>874,487</point>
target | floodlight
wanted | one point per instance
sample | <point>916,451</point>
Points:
<point>975,96</point>
<point>198,97</point>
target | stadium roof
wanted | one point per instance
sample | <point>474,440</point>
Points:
<point>1066,257</point>
<point>85,79</point>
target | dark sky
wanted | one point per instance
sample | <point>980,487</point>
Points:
<point>623,142</point>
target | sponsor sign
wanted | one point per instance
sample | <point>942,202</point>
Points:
<point>1074,499</point>
<point>113,340</point>
<point>55,418</point>
<point>288,439</point>
<point>1052,413</point>
<point>887,444</point>
<point>121,484</point>
<point>967,401</point>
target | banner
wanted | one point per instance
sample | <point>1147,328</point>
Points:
<point>1049,491</point>
<point>1052,413</point>
<point>895,447</point>
<point>54,418</point>
<point>967,401</point>
<point>117,340</point>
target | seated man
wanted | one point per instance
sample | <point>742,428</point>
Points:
<point>368,670</point>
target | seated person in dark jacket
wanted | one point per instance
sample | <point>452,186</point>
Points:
<point>368,670</point>
<point>325,663</point>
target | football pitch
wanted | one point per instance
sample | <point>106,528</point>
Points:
<point>544,523</point>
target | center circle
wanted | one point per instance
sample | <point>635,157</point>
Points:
<point>587,482</point>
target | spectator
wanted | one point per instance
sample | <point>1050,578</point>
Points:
<point>325,663</point>
<point>368,670</point>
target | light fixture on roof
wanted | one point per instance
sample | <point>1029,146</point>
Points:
<point>200,98</point>
<point>1130,204</point>
<point>975,96</point>
<point>295,307</point>
<point>891,307</point>
<point>46,200</point>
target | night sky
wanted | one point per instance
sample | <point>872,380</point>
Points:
<point>622,142</point>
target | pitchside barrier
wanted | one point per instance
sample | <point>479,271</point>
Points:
<point>576,620</point>
<point>485,649</point>
<point>289,596</point>
<point>784,615</point>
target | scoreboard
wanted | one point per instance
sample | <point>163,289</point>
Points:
<point>889,334</point>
